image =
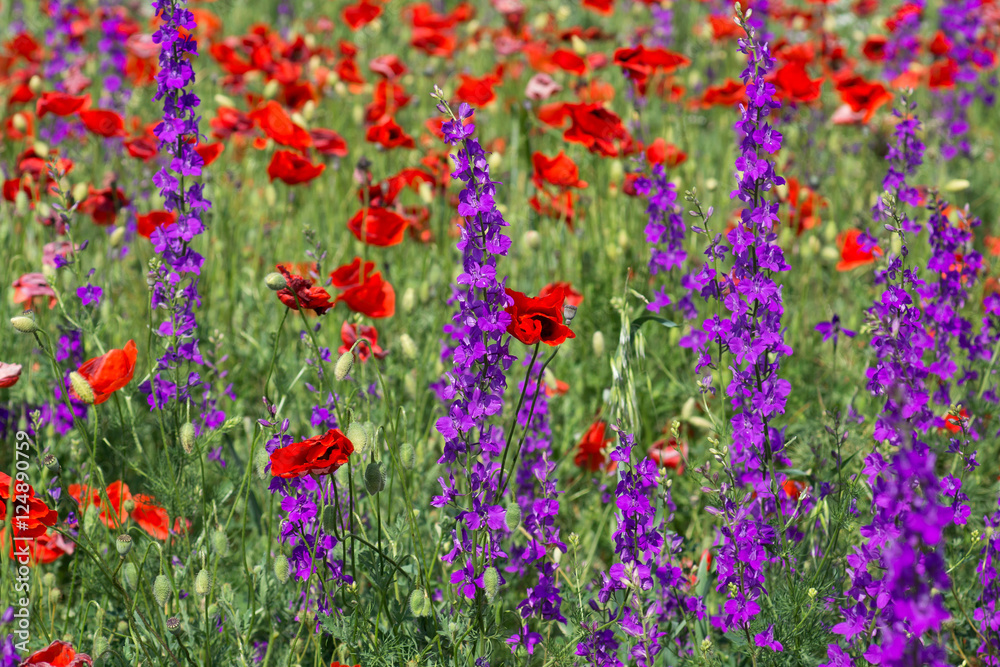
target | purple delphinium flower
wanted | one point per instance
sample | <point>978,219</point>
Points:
<point>903,42</point>
<point>477,379</point>
<point>987,611</point>
<point>174,278</point>
<point>832,329</point>
<point>114,36</point>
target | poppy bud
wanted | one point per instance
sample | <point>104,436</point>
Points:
<point>224,101</point>
<point>261,459</point>
<point>35,83</point>
<point>410,384</point>
<point>19,122</point>
<point>297,118</point>
<point>358,436</point>
<point>49,579</point>
<point>220,543</point>
<point>569,312</point>
<point>513,516</point>
<point>21,203</point>
<point>374,478</point>
<point>956,185</point>
<point>100,646</point>
<point>579,46</point>
<point>419,602</point>
<point>409,300</point>
<point>271,195</point>
<point>54,595</point>
<point>187,437</point>
<point>79,191</point>
<point>344,365</point>
<point>203,583</point>
<point>226,592</point>
<point>24,324</point>
<point>84,392</point>
<point>308,109</point>
<point>407,456</point>
<point>90,518</point>
<point>281,567</point>
<point>426,192</point>
<point>116,237</point>
<point>129,506</point>
<point>491,583</point>
<point>409,347</point>
<point>123,544</point>
<point>42,150</point>
<point>275,281</point>
<point>130,575</point>
<point>598,344</point>
<point>161,589</point>
<point>330,520</point>
<point>174,626</point>
<point>271,89</point>
<point>52,463</point>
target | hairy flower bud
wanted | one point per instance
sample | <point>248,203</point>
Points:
<point>358,436</point>
<point>260,461</point>
<point>203,583</point>
<point>344,365</point>
<point>598,344</point>
<point>84,392</point>
<point>330,520</point>
<point>409,300</point>
<point>187,437</point>
<point>24,324</point>
<point>419,602</point>
<point>54,595</point>
<point>374,478</point>
<point>407,456</point>
<point>513,516</point>
<point>220,543</point>
<point>100,646</point>
<point>491,583</point>
<point>161,589</point>
<point>123,544</point>
<point>130,575</point>
<point>275,281</point>
<point>409,347</point>
<point>281,568</point>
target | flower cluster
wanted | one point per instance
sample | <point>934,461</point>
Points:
<point>480,362</point>
<point>904,37</point>
<point>665,232</point>
<point>987,613</point>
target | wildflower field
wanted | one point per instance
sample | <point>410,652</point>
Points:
<point>508,333</point>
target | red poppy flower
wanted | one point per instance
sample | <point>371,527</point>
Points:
<point>477,91</point>
<point>388,66</point>
<point>103,123</point>
<point>381,227</point>
<point>953,423</point>
<point>591,125</point>
<point>103,205</point>
<point>639,63</point>
<point>852,255</point>
<point>560,171</point>
<point>361,14</point>
<point>559,206</point>
<point>660,152</point>
<point>109,372</point>
<point>441,44</point>
<point>61,104</point>
<point>940,45</point>
<point>328,142</point>
<point>803,206</point>
<point>30,286</point>
<point>666,453</point>
<point>568,61</point>
<point>47,548</point>
<point>209,152</point>
<point>149,516</point>
<point>147,224</point>
<point>292,168</point>
<point>350,275</point>
<point>276,124</point>
<point>792,82</point>
<point>863,96</point>
<point>350,333</point>
<point>572,297</point>
<point>590,454</point>
<point>319,455</point>
<point>539,319</point>
<point>874,48</point>
<point>731,93</point>
<point>143,148</point>
<point>57,654</point>
<point>605,7</point>
<point>793,488</point>
<point>39,517</point>
<point>229,121</point>
<point>9,374</point>
<point>942,74</point>
<point>389,134</point>
<point>723,27</point>
<point>373,297</point>
<point>311,297</point>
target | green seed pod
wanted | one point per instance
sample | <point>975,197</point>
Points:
<point>100,646</point>
<point>123,544</point>
<point>174,626</point>
<point>115,239</point>
<point>220,543</point>
<point>54,595</point>
<point>344,365</point>
<point>129,506</point>
<point>358,436</point>
<point>330,520</point>
<point>161,589</point>
<point>275,282</point>
<point>130,575</point>
<point>226,592</point>
<point>260,461</point>
<point>52,463</point>
<point>374,478</point>
<point>419,602</point>
<point>187,437</point>
<point>281,568</point>
<point>81,388</point>
<point>491,583</point>
<point>513,516</point>
<point>24,324</point>
<point>203,583</point>
<point>122,627</point>
<point>49,579</point>
<point>407,456</point>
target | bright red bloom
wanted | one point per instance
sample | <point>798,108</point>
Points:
<point>109,372</point>
<point>33,524</point>
<point>116,510</point>
<point>852,255</point>
<point>863,96</point>
<point>381,226</point>
<point>568,61</point>
<point>605,7</point>
<point>278,125</point>
<point>292,168</point>
<point>660,152</point>
<point>319,455</point>
<point>573,297</point>
<point>723,27</point>
<point>953,423</point>
<point>792,82</point>
<point>803,206</point>
<point>328,142</point>
<point>668,454</point>
<point>591,125</point>
<point>350,275</point>
<point>61,104</point>
<point>373,297</point>
<point>590,454</point>
<point>103,123</point>
<point>143,147</point>
<point>793,488</point>
<point>209,152</point>
<point>388,66</point>
<point>874,47</point>
<point>560,171</point>
<point>538,319</point>
<point>9,374</point>
<point>389,134</point>
<point>57,654</point>
<point>361,14</point>
<point>558,206</point>
<point>310,297</point>
<point>103,205</point>
<point>731,93</point>
<point>350,333</point>
<point>147,224</point>
<point>478,92</point>
<point>639,63</point>
<point>229,121</point>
